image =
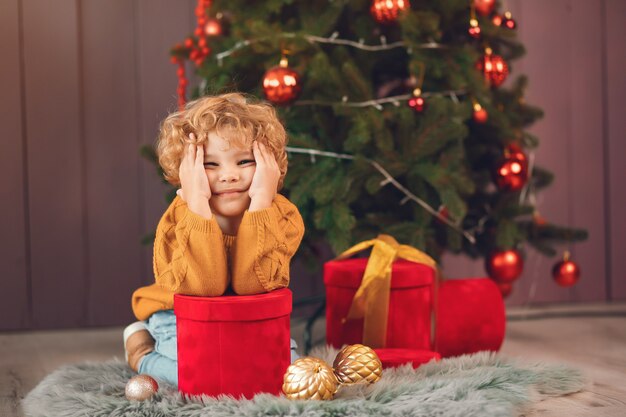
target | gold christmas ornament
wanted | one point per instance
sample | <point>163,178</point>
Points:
<point>141,387</point>
<point>309,378</point>
<point>357,364</point>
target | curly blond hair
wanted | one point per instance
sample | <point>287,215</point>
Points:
<point>237,118</point>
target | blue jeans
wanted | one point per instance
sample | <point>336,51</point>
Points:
<point>162,362</point>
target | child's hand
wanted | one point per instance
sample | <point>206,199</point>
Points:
<point>265,181</point>
<point>195,185</point>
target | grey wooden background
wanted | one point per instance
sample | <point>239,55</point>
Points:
<point>86,82</point>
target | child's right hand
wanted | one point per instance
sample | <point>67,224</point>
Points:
<point>194,183</point>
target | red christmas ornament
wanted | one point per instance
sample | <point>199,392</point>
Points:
<point>566,273</point>
<point>493,67</point>
<point>514,151</point>
<point>387,11</point>
<point>506,288</point>
<point>511,175</point>
<point>474,29</point>
<point>213,27</point>
<point>480,115</point>
<point>418,104</point>
<point>507,21</point>
<point>484,7</point>
<point>504,266</point>
<point>281,84</point>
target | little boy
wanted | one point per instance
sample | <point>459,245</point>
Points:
<point>227,231</point>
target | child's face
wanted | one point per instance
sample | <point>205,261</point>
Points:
<point>229,170</point>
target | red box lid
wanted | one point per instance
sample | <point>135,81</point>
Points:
<point>348,273</point>
<point>234,307</point>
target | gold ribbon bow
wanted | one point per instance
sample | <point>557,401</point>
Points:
<point>371,301</point>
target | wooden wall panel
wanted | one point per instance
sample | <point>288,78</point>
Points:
<point>615,90</point>
<point>111,157</point>
<point>548,67</point>
<point>55,165</point>
<point>556,65</point>
<point>586,150</point>
<point>160,24</point>
<point>14,283</point>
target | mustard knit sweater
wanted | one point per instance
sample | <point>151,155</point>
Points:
<point>192,256</point>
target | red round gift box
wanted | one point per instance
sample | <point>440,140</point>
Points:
<point>470,317</point>
<point>410,303</point>
<point>234,345</point>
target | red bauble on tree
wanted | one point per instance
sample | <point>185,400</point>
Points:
<point>281,84</point>
<point>507,21</point>
<point>474,29</point>
<point>417,102</point>
<point>514,151</point>
<point>566,273</point>
<point>485,7</point>
<point>387,11</point>
<point>493,67</point>
<point>479,115</point>
<point>213,27</point>
<point>504,266</point>
<point>512,173</point>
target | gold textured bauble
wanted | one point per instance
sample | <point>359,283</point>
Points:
<point>357,364</point>
<point>141,387</point>
<point>309,378</point>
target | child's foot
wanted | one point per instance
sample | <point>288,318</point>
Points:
<point>137,343</point>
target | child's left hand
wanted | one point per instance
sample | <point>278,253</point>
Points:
<point>265,180</point>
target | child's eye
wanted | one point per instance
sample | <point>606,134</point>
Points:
<point>247,161</point>
<point>210,164</point>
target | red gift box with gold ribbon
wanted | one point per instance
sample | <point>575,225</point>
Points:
<point>386,300</point>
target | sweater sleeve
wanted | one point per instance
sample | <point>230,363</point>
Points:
<point>189,258</point>
<point>266,241</point>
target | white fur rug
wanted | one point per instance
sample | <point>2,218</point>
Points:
<point>482,384</point>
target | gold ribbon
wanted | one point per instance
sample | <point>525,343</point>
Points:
<point>371,301</point>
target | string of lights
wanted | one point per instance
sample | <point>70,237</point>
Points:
<point>389,179</point>
<point>334,39</point>
<point>395,100</point>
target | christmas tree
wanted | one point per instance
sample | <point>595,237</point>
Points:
<point>397,118</point>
